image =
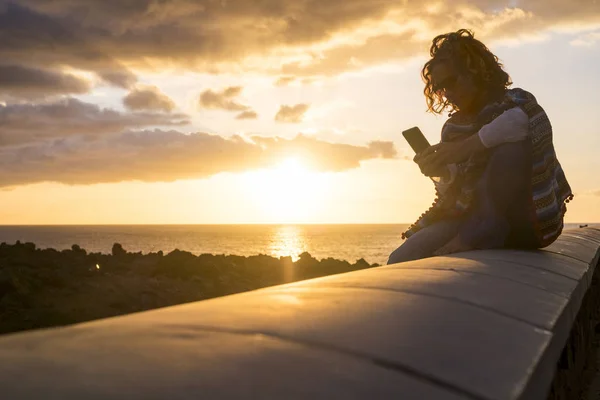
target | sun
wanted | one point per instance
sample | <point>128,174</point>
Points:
<point>288,192</point>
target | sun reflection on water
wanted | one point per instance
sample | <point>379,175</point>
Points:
<point>287,241</point>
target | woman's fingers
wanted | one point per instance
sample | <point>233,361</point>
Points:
<point>426,153</point>
<point>430,150</point>
<point>438,158</point>
<point>435,158</point>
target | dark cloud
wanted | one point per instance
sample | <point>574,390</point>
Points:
<point>148,98</point>
<point>32,83</point>
<point>37,39</point>
<point>27,123</point>
<point>120,78</point>
<point>291,114</point>
<point>223,100</point>
<point>105,36</point>
<point>205,28</point>
<point>247,115</point>
<point>153,156</point>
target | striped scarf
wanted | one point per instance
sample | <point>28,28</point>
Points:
<point>549,187</point>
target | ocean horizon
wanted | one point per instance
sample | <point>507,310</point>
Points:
<point>350,242</point>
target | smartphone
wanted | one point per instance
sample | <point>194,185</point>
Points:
<point>416,139</point>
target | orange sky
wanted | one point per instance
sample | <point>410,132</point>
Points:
<point>283,111</point>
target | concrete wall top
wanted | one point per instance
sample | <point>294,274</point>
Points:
<point>476,325</point>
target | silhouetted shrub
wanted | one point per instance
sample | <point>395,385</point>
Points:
<point>46,287</point>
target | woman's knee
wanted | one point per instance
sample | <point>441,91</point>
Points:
<point>424,243</point>
<point>507,172</point>
<point>510,156</point>
<point>404,253</point>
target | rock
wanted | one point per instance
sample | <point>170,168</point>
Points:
<point>78,250</point>
<point>52,287</point>
<point>117,250</point>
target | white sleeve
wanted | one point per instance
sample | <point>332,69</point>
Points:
<point>511,126</point>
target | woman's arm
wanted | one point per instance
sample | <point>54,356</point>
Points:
<point>510,126</point>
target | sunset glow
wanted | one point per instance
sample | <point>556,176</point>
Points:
<point>288,192</point>
<point>248,113</point>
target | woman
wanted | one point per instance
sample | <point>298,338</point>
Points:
<point>498,181</point>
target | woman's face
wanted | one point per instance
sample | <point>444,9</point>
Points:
<point>459,89</point>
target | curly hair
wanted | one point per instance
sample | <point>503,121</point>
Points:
<point>468,55</point>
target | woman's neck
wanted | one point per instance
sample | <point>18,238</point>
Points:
<point>484,98</point>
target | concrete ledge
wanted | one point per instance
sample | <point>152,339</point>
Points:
<point>477,325</point>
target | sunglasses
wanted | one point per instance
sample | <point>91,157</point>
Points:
<point>444,85</point>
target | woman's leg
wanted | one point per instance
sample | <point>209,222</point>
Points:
<point>500,213</point>
<point>425,242</point>
<point>502,191</point>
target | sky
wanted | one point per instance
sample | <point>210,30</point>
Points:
<point>271,111</point>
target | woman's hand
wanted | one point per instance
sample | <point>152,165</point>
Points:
<point>428,165</point>
<point>433,160</point>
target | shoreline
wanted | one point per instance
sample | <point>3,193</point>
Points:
<point>43,288</point>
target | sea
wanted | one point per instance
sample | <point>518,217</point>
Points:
<point>373,243</point>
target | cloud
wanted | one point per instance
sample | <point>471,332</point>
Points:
<point>148,98</point>
<point>247,115</point>
<point>285,80</point>
<point>326,156</point>
<point>121,78</point>
<point>146,34</point>
<point>223,100</point>
<point>17,81</point>
<point>27,123</point>
<point>291,114</point>
<point>376,50</point>
<point>157,155</point>
<point>587,40</point>
<point>206,30</point>
<point>54,37</point>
